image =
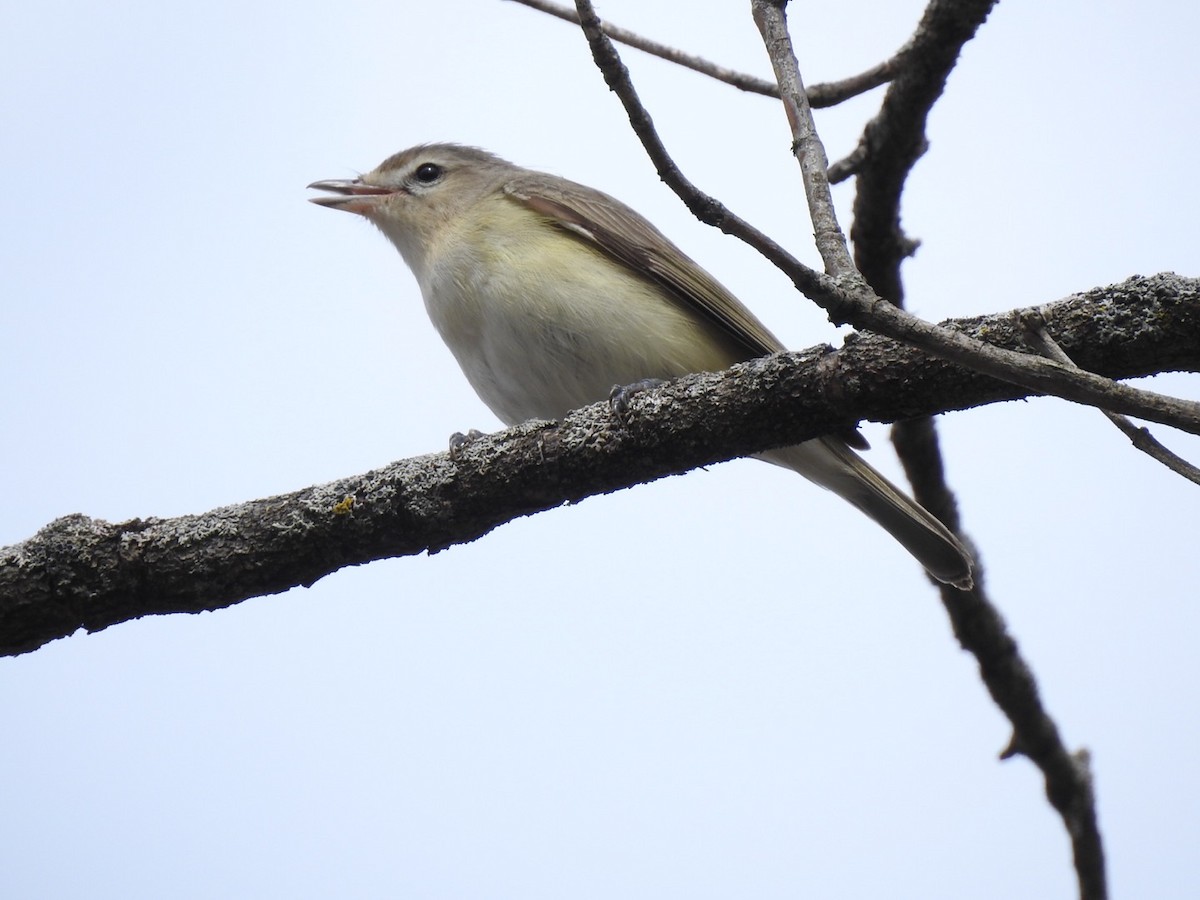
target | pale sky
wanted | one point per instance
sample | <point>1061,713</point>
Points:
<point>726,684</point>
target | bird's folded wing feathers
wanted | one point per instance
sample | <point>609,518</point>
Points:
<point>624,235</point>
<point>630,239</point>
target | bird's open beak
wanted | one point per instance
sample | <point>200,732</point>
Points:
<point>356,196</point>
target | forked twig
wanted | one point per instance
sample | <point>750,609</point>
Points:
<point>977,623</point>
<point>822,95</point>
<point>1033,328</point>
<point>850,299</point>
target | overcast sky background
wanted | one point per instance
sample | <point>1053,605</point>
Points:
<point>722,685</point>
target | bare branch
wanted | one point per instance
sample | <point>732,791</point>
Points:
<point>806,144</point>
<point>850,300</point>
<point>894,140</point>
<point>890,146</point>
<point>707,209</point>
<point>1033,326</point>
<point>739,80</point>
<point>848,165</point>
<point>980,629</point>
<point>831,93</point>
<point>83,573</point>
<point>819,95</point>
<point>977,623</point>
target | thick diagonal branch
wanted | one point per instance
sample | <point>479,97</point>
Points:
<point>84,573</point>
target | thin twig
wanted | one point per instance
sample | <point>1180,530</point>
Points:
<point>739,80</point>
<point>850,299</point>
<point>820,95</point>
<point>1033,327</point>
<point>707,209</point>
<point>831,93</point>
<point>806,143</point>
<point>848,165</point>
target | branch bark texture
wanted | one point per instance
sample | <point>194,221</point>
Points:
<point>80,572</point>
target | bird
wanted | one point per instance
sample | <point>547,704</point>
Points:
<point>549,292</point>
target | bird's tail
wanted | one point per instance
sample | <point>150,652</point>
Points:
<point>828,462</point>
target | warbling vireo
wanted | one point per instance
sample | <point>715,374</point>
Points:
<point>549,292</point>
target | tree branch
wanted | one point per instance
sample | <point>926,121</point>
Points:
<point>894,139</point>
<point>806,143</point>
<point>84,573</point>
<point>819,95</point>
<point>849,299</point>
<point>891,145</point>
<point>1033,325</point>
<point>739,80</point>
<point>980,629</point>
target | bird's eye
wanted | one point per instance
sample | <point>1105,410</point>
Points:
<point>428,173</point>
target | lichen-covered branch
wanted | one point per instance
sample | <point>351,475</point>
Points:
<point>84,573</point>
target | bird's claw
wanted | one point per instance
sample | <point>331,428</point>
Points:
<point>459,441</point>
<point>620,395</point>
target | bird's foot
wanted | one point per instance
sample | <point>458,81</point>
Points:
<point>459,441</point>
<point>620,395</point>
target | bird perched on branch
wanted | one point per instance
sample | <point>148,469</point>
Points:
<point>549,292</point>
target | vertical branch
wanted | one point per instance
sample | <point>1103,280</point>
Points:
<point>771,20</point>
<point>977,623</point>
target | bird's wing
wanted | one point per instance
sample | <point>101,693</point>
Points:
<point>613,227</point>
<point>623,234</point>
